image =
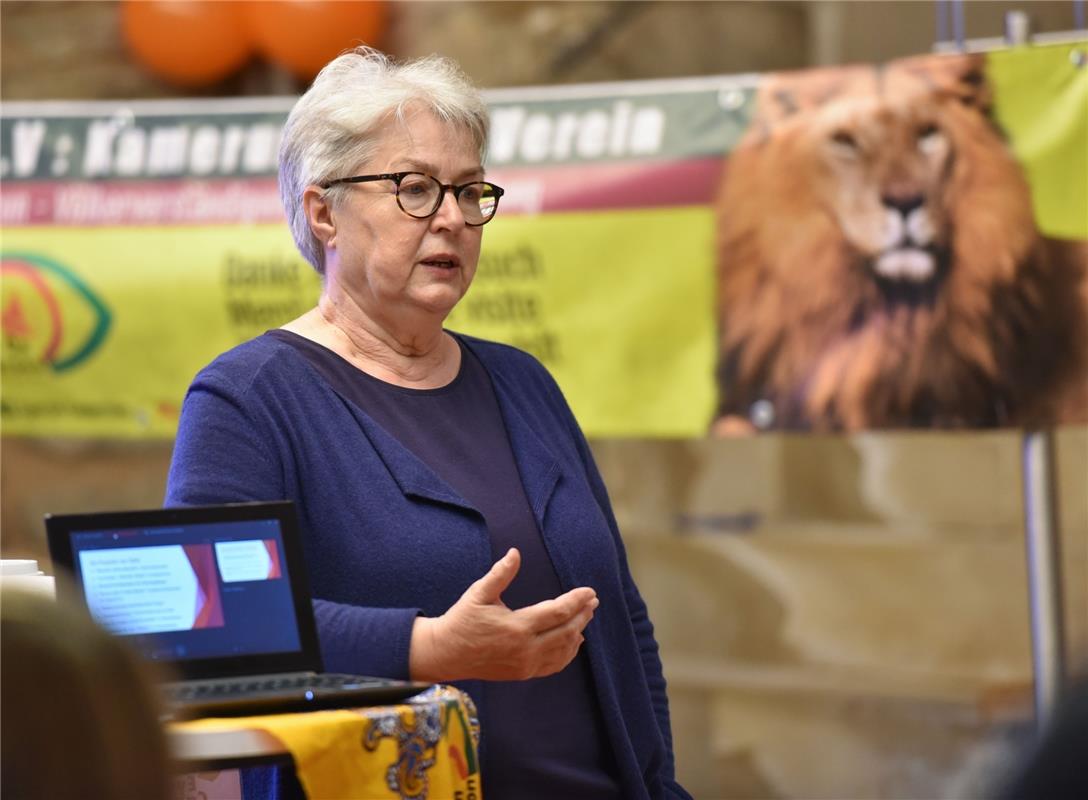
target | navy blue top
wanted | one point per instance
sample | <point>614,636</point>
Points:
<point>385,538</point>
<point>458,431</point>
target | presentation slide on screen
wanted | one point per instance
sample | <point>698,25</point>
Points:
<point>161,588</point>
<point>134,590</point>
<point>250,560</point>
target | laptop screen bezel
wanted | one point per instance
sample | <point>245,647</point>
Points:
<point>61,527</point>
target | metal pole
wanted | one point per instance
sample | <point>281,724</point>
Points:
<point>1044,572</point>
<point>941,8</point>
<point>959,30</point>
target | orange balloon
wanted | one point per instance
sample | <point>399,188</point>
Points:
<point>187,42</point>
<point>304,35</point>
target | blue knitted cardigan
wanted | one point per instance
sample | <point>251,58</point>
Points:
<point>386,539</point>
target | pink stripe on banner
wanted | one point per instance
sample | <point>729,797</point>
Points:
<point>88,203</point>
<point>597,187</point>
<point>529,190</point>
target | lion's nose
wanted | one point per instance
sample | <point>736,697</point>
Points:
<point>904,204</point>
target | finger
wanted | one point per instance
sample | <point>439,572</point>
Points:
<point>557,648</point>
<point>490,587</point>
<point>575,624</point>
<point>549,614</point>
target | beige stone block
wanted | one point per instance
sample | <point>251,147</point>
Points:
<point>844,616</point>
<point>833,745</point>
<point>768,731</point>
<point>906,478</point>
<point>918,551</point>
<point>690,485</point>
<point>958,608</point>
<point>705,604</point>
<point>39,476</point>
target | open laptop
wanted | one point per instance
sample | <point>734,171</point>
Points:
<point>220,594</point>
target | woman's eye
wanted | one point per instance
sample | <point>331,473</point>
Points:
<point>413,187</point>
<point>472,191</point>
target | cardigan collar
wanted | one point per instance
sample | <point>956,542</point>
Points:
<point>537,465</point>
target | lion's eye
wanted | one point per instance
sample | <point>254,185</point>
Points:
<point>844,140</point>
<point>928,129</point>
<point>930,138</point>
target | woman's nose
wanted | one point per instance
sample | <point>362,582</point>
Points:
<point>449,212</point>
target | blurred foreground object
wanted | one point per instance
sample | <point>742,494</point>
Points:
<point>23,573</point>
<point>1055,767</point>
<point>79,718</point>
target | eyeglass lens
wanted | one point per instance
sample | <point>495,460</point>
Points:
<point>420,196</point>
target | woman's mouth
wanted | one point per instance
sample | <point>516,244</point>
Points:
<point>441,262</point>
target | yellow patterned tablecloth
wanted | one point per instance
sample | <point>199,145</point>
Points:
<point>423,749</point>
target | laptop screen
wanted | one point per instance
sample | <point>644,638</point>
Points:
<point>219,587</point>
<point>197,590</point>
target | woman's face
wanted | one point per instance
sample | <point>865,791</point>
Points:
<point>395,267</point>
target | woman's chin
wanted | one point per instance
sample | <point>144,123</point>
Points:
<point>438,300</point>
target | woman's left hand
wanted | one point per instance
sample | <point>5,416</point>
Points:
<point>481,637</point>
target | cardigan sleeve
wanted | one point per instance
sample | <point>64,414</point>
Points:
<point>636,608</point>
<point>221,455</point>
<point>225,452</point>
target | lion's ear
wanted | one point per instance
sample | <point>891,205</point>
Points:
<point>974,88</point>
<point>783,95</point>
<point>961,76</point>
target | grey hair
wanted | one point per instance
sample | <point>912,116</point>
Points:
<point>335,126</point>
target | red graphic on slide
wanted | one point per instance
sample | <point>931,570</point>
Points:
<point>274,570</point>
<point>209,607</point>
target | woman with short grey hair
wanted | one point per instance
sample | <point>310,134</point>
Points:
<point>334,126</point>
<point>456,528</point>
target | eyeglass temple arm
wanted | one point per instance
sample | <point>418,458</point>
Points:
<point>395,177</point>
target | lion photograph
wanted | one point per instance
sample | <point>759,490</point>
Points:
<point>879,264</point>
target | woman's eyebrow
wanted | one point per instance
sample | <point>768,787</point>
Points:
<point>475,171</point>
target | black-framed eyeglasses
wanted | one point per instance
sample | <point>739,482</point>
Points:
<point>419,195</point>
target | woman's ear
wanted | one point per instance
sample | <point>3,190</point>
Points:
<point>318,210</point>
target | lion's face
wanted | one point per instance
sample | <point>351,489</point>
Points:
<point>875,169</point>
<point>880,169</point>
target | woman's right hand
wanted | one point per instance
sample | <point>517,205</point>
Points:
<point>480,637</point>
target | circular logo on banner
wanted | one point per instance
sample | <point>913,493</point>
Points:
<point>49,317</point>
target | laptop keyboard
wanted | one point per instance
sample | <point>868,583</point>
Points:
<point>291,684</point>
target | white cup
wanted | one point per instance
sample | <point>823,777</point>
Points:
<point>23,573</point>
<point>19,566</point>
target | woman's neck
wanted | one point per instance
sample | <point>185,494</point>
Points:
<point>425,357</point>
